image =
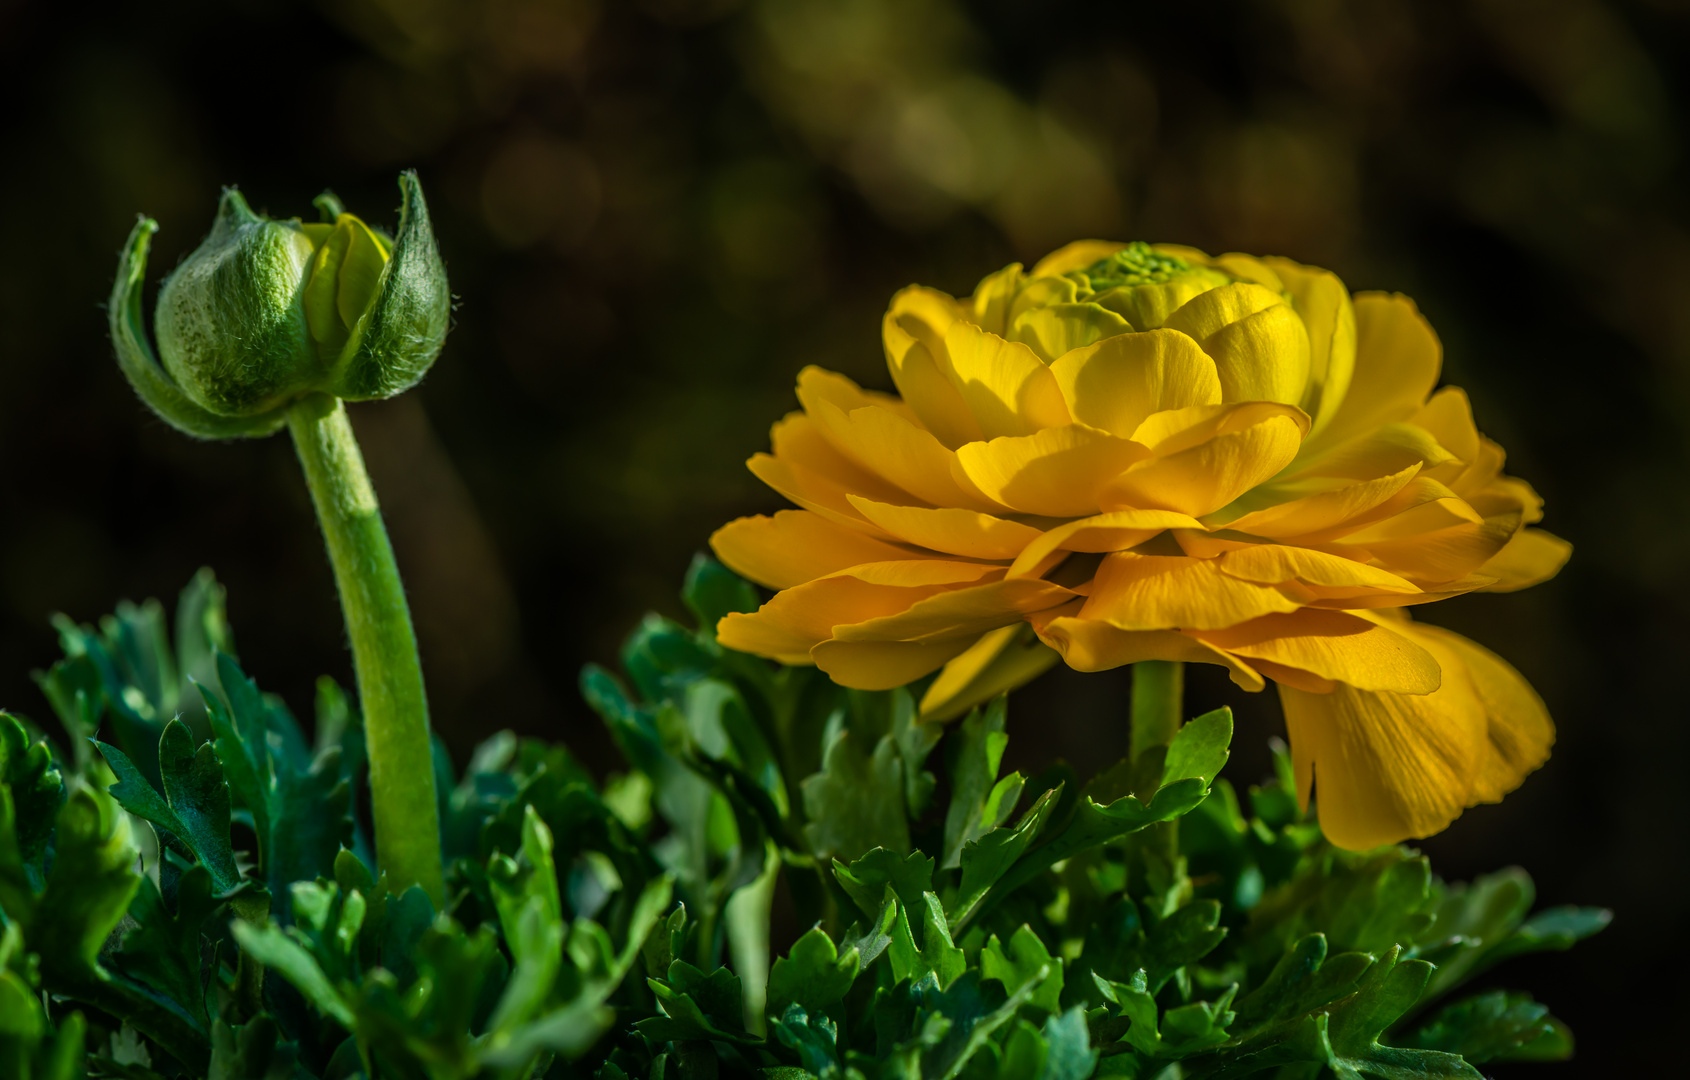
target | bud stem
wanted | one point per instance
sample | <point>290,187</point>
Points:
<point>384,646</point>
<point>1158,700</point>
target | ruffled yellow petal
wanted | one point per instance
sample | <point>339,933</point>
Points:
<point>798,440</point>
<point>1090,645</point>
<point>882,665</point>
<point>1117,383</point>
<point>1327,576</point>
<point>1317,512</point>
<point>1075,256</point>
<point>1206,477</point>
<point>1531,556</point>
<point>1006,387</point>
<point>913,332</point>
<point>952,530</point>
<point>1398,358</point>
<point>795,546</point>
<point>1057,472</point>
<point>883,441</point>
<point>1167,592</point>
<point>1442,555</point>
<point>1114,531</point>
<point>989,306</point>
<point>1324,304</point>
<point>1389,767</point>
<point>1003,659</point>
<point>1333,646</point>
<point>1260,347</point>
<point>796,619</point>
<point>1387,449</point>
<point>814,492</point>
<point>1448,418</point>
<point>969,611</point>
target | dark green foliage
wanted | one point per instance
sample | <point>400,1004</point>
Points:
<point>1151,924</point>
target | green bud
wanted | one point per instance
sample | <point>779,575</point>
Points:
<point>266,312</point>
<point>1145,286</point>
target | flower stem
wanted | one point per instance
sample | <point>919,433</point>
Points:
<point>1158,700</point>
<point>384,646</point>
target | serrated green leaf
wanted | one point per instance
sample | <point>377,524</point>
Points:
<point>813,1038</point>
<point>31,793</point>
<point>285,956</point>
<point>814,975</point>
<point>980,802</point>
<point>1068,1051</point>
<point>199,800</point>
<point>936,954</point>
<point>986,860</point>
<point>90,885</point>
<point>163,950</point>
<point>1490,1027</point>
<point>1025,960</point>
<point>251,1051</point>
<point>916,741</point>
<point>866,879</point>
<point>856,802</point>
<point>1387,992</point>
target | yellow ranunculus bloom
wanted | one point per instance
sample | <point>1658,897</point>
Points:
<point>1152,454</point>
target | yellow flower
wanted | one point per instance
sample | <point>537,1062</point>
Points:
<point>1142,453</point>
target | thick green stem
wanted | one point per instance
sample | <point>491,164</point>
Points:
<point>1158,701</point>
<point>384,647</point>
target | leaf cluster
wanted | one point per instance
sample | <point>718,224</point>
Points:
<point>187,889</point>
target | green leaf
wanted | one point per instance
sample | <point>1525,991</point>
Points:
<point>1027,960</point>
<point>199,799</point>
<point>856,802</point>
<point>252,1051</point>
<point>33,794</point>
<point>986,860</point>
<point>163,950</point>
<point>72,687</point>
<point>980,802</point>
<point>813,976</point>
<point>90,885</point>
<point>813,1039</point>
<point>936,954</point>
<point>866,879</point>
<point>1068,1051</point>
<point>1199,749</point>
<point>712,591</point>
<point>916,741</point>
<point>1495,1026</point>
<point>280,953</point>
<point>1303,981</point>
<point>1388,991</point>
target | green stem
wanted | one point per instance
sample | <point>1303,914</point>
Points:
<point>1158,702</point>
<point>384,647</point>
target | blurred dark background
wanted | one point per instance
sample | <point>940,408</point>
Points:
<point>655,212</point>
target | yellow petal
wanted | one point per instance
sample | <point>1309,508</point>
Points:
<point>1089,645</point>
<point>1518,730</point>
<point>1334,646</point>
<point>1117,383</point>
<point>1061,328</point>
<point>1324,304</point>
<point>813,492</point>
<point>1056,472</point>
<point>1262,357</point>
<point>1448,418</point>
<point>882,441</point>
<point>970,610</point>
<point>1398,358</point>
<point>1388,767</point>
<point>1442,555</point>
<point>1384,450</point>
<point>796,546</point>
<point>882,665</point>
<point>1322,510</point>
<point>1206,477</point>
<point>1075,256</point>
<point>1530,556</point>
<point>913,332</point>
<point>1206,315</point>
<point>950,529</point>
<point>798,440</point>
<point>1172,430</point>
<point>1008,390</point>
<point>1163,592</point>
<point>1114,531</point>
<point>1328,575</point>
<point>1002,660</point>
<point>794,621</point>
<point>990,303</point>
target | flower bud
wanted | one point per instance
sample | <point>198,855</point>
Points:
<point>266,312</point>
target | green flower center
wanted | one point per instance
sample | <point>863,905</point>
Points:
<point>1135,264</point>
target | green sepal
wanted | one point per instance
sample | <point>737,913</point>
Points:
<point>140,364</point>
